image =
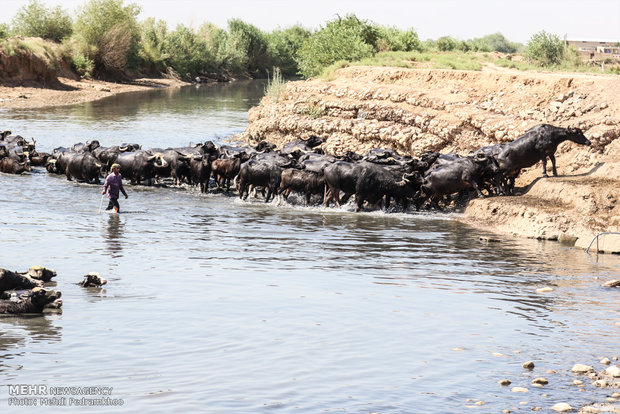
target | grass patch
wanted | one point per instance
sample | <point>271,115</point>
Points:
<point>313,110</point>
<point>329,73</point>
<point>276,86</point>
<point>462,61</point>
<point>51,53</point>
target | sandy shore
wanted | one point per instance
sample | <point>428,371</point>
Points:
<point>70,92</point>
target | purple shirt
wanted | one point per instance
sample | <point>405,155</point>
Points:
<point>112,184</point>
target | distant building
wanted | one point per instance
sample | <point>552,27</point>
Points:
<point>596,50</point>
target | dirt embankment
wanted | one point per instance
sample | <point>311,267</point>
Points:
<point>414,110</point>
<point>39,76</point>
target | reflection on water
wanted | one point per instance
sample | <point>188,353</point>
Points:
<point>114,235</point>
<point>156,118</point>
<point>247,307</point>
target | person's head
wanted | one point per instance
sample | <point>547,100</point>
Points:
<point>115,168</point>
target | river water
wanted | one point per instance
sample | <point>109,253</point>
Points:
<point>221,306</point>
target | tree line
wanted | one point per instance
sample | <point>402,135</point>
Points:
<point>105,39</point>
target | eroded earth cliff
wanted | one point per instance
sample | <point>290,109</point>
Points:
<point>415,110</point>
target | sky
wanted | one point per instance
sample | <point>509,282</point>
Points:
<point>462,19</point>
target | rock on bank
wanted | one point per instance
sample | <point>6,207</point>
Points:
<point>415,110</point>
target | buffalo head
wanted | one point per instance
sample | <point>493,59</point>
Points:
<point>576,135</point>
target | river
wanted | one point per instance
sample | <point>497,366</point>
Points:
<point>222,306</point>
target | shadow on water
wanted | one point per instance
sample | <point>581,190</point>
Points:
<point>155,118</point>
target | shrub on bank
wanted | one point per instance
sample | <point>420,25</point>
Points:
<point>545,48</point>
<point>35,20</point>
<point>341,39</point>
<point>108,33</point>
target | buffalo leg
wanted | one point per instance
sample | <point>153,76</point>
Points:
<point>552,158</point>
<point>544,165</point>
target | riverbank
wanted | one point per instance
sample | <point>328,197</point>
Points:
<point>415,110</point>
<point>70,91</point>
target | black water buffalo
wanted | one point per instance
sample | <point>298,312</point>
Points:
<point>92,279</point>
<point>381,156</point>
<point>140,165</point>
<point>13,280</point>
<point>17,153</point>
<point>200,171</point>
<point>39,158</point>
<point>84,167</point>
<point>18,140</point>
<point>107,155</point>
<point>36,301</point>
<point>125,147</point>
<point>460,174</point>
<point>41,273</point>
<point>58,162</point>
<point>10,166</point>
<point>301,181</point>
<point>86,147</point>
<point>178,165</point>
<point>261,172</point>
<point>340,176</point>
<point>302,146</point>
<point>224,170</point>
<point>375,181</point>
<point>535,145</point>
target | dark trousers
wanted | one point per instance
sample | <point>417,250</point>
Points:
<point>113,203</point>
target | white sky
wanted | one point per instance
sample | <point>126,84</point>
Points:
<point>517,20</point>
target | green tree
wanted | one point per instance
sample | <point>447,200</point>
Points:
<point>394,39</point>
<point>497,42</point>
<point>284,45</point>
<point>545,48</point>
<point>246,49</point>
<point>152,37</point>
<point>35,20</point>
<point>108,33</point>
<point>215,42</point>
<point>187,52</point>
<point>346,39</point>
<point>446,43</point>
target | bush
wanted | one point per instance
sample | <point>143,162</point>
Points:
<point>545,48</point>
<point>114,47</point>
<point>341,39</point>
<point>276,86</point>
<point>4,30</point>
<point>83,65</point>
<point>100,24</point>
<point>35,20</point>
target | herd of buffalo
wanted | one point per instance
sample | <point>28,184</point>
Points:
<point>300,166</point>
<point>376,177</point>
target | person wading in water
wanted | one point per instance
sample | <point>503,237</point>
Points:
<point>114,183</point>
